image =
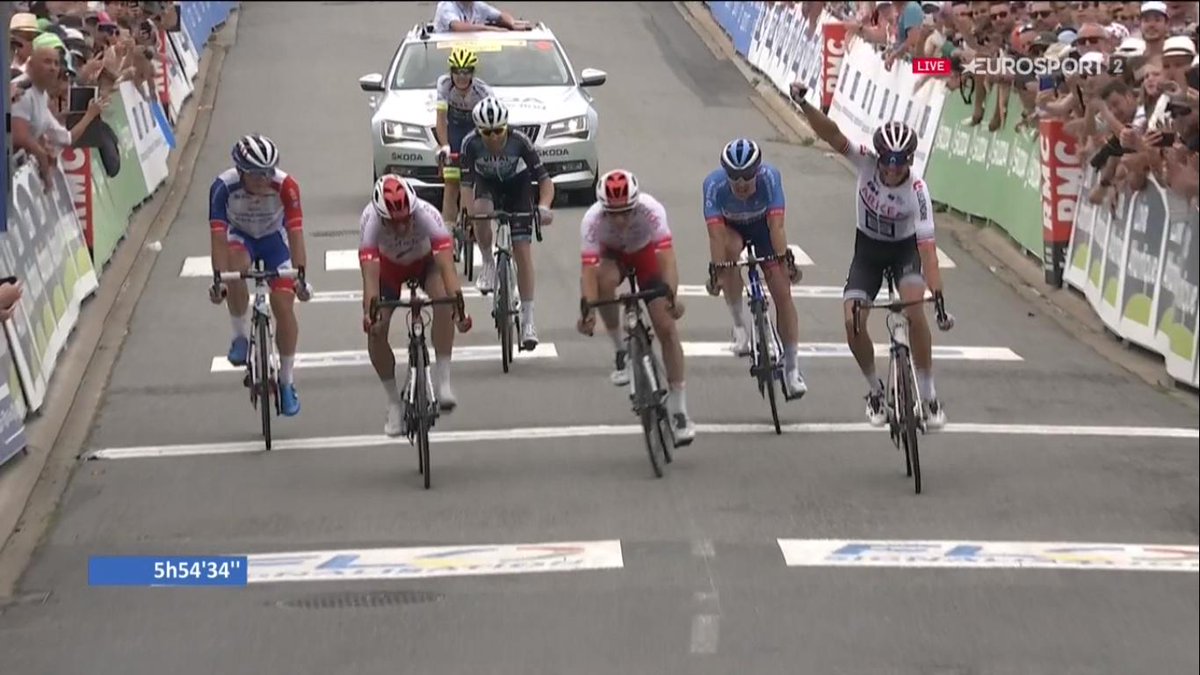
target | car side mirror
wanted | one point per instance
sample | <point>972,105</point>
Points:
<point>372,82</point>
<point>591,77</point>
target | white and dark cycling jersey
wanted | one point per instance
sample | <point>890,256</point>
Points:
<point>517,157</point>
<point>457,103</point>
<point>889,213</point>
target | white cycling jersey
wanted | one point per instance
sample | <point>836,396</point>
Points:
<point>426,234</point>
<point>889,213</point>
<point>648,226</point>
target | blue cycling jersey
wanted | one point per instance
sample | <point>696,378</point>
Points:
<point>721,206</point>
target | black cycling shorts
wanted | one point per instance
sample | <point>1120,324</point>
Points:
<point>873,258</point>
<point>513,195</point>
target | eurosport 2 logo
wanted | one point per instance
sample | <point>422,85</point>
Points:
<point>1023,65</point>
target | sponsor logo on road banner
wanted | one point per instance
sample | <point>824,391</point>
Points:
<point>442,561</point>
<point>989,554</point>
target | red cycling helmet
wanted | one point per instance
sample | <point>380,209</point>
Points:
<point>617,190</point>
<point>393,198</point>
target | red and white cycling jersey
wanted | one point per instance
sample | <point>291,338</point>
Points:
<point>423,236</point>
<point>230,206</point>
<point>649,226</point>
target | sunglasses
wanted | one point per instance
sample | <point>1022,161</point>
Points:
<point>894,160</point>
<point>258,173</point>
<point>462,71</point>
<point>742,175</point>
<point>493,132</point>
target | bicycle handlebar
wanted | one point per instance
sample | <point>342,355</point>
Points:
<point>938,300</point>
<point>626,298</point>
<point>751,261</point>
<point>511,216</point>
<point>255,275</point>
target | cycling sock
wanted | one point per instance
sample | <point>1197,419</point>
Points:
<point>393,394</point>
<point>618,342</point>
<point>925,385</point>
<point>285,368</point>
<point>873,383</point>
<point>677,400</point>
<point>789,356</point>
<point>737,310</point>
<point>527,312</point>
<point>241,325</point>
<point>441,372</point>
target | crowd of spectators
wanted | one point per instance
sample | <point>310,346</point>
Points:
<point>89,48</point>
<point>1125,85</point>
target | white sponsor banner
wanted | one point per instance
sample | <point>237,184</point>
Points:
<point>179,85</point>
<point>430,562</point>
<point>148,139</point>
<point>989,555</point>
<point>789,47</point>
<point>867,95</point>
<point>188,56</point>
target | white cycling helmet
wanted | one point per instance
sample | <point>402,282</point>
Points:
<point>490,113</point>
<point>618,190</point>
<point>393,198</point>
<point>255,152</point>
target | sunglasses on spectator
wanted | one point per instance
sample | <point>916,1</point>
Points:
<point>1044,14</point>
<point>1089,40</point>
<point>493,132</point>
<point>15,45</point>
<point>1000,15</point>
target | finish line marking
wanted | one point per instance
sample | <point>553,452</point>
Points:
<point>840,350</point>
<point>684,290</point>
<point>989,555</point>
<point>348,358</point>
<point>549,433</point>
<point>429,562</point>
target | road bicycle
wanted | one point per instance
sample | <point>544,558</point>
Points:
<point>262,362</point>
<point>506,304</point>
<point>421,409</point>
<point>766,348</point>
<point>902,398</point>
<point>648,386</point>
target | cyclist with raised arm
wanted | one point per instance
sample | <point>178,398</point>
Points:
<point>744,204</point>
<point>457,93</point>
<point>499,167</point>
<point>403,238</point>
<point>254,214</point>
<point>895,234</point>
<point>628,228</point>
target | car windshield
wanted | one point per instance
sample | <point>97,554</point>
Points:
<point>502,63</point>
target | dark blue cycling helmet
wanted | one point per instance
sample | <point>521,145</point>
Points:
<point>741,158</point>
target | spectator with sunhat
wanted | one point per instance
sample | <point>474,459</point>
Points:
<point>1154,24</point>
<point>22,30</point>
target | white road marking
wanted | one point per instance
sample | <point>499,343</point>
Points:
<point>351,358</point>
<point>703,548</point>
<point>197,266</point>
<point>944,261</point>
<point>798,254</point>
<point>834,349</point>
<point>341,260</point>
<point>989,555</point>
<point>705,631</point>
<point>440,561</point>
<point>685,290</point>
<point>550,433</point>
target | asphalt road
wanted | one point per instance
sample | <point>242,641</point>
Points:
<point>699,583</point>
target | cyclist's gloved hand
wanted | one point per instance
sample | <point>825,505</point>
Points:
<point>443,154</point>
<point>216,293</point>
<point>945,322</point>
<point>546,215</point>
<point>587,319</point>
<point>676,308</point>
<point>712,285</point>
<point>460,311</point>
<point>304,291</point>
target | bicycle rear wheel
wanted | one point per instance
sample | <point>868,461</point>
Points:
<point>421,406</point>
<point>264,380</point>
<point>766,364</point>
<point>645,402</point>
<point>504,310</point>
<point>908,419</point>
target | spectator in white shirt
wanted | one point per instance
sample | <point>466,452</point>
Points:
<point>34,127</point>
<point>465,17</point>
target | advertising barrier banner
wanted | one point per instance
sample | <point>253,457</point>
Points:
<point>200,17</point>
<point>793,44</point>
<point>1061,183</point>
<point>992,175</point>
<point>833,51</point>
<point>867,95</point>
<point>12,408</point>
<point>45,249</point>
<point>149,140</point>
<point>737,19</point>
<point>1137,264</point>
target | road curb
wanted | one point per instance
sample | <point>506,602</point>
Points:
<point>989,246</point>
<point>35,483</point>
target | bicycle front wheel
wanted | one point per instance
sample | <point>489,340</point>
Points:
<point>645,401</point>
<point>504,310</point>
<point>766,364</point>
<point>421,407</point>
<point>908,419</point>
<point>264,380</point>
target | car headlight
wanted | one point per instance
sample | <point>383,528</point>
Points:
<point>394,132</point>
<point>572,126</point>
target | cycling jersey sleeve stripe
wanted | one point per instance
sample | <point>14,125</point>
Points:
<point>439,244</point>
<point>368,254</point>
<point>591,258</point>
<point>775,212</point>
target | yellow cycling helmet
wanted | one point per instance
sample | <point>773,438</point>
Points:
<point>461,57</point>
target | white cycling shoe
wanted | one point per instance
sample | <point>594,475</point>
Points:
<point>741,341</point>
<point>683,429</point>
<point>395,420</point>
<point>486,283</point>
<point>794,386</point>
<point>876,414</point>
<point>935,415</point>
<point>529,336</point>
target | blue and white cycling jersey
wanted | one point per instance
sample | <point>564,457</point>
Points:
<point>747,217</point>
